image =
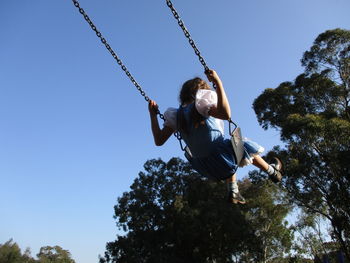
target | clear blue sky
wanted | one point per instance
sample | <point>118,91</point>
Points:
<point>74,131</point>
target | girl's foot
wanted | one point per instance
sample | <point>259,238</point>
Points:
<point>276,177</point>
<point>235,198</point>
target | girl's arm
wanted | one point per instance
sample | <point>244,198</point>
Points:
<point>160,135</point>
<point>222,109</point>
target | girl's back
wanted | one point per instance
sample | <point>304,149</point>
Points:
<point>200,138</point>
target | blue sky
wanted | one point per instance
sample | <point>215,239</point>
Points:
<point>74,131</point>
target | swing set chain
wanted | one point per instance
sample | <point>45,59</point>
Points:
<point>187,34</point>
<point>115,56</point>
<point>120,63</point>
<point>197,52</point>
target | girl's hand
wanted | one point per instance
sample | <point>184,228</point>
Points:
<point>152,107</point>
<point>212,76</point>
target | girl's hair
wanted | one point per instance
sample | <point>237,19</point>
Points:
<point>188,96</point>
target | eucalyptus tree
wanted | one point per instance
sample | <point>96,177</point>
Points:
<point>172,214</point>
<point>313,116</point>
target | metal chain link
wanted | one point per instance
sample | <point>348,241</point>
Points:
<point>191,41</point>
<point>193,45</point>
<point>120,63</point>
<point>115,56</point>
<point>187,34</point>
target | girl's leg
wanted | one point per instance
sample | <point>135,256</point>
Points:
<point>234,196</point>
<point>231,179</point>
<point>273,170</point>
<point>260,163</point>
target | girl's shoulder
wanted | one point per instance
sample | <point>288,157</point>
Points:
<point>170,116</point>
<point>170,111</point>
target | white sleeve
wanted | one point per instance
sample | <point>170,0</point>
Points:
<point>205,99</point>
<point>170,116</point>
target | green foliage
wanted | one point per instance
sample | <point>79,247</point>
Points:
<point>266,210</point>
<point>11,253</point>
<point>330,53</point>
<point>313,116</point>
<point>54,255</point>
<point>310,239</point>
<point>167,221</point>
<point>172,214</point>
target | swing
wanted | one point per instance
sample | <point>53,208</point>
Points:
<point>236,136</point>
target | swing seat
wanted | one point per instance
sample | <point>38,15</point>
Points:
<point>237,144</point>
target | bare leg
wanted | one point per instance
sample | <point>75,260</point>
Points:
<point>272,170</point>
<point>260,163</point>
<point>233,192</point>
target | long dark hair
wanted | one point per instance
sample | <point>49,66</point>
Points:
<point>187,96</point>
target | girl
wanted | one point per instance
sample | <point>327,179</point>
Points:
<point>199,121</point>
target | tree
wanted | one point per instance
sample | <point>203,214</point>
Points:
<point>313,116</point>
<point>266,210</point>
<point>54,254</point>
<point>169,216</point>
<point>310,237</point>
<point>172,214</point>
<point>11,253</point>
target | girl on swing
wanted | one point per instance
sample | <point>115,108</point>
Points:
<point>199,121</point>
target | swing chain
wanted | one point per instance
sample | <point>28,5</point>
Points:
<point>120,63</point>
<point>115,56</point>
<point>187,34</point>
